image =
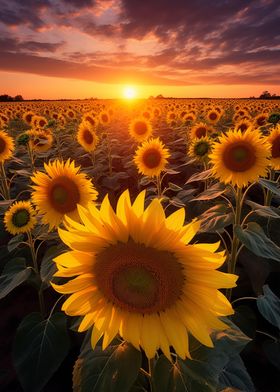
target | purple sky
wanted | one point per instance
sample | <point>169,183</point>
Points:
<point>176,43</point>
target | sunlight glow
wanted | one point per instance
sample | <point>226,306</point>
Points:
<point>129,92</point>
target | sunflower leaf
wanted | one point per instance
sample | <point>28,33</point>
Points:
<point>40,347</point>
<point>211,193</point>
<point>254,238</point>
<point>114,369</point>
<point>265,211</point>
<point>48,266</point>
<point>272,186</point>
<point>269,306</point>
<point>14,273</point>
<point>14,242</point>
<point>235,375</point>
<point>200,176</point>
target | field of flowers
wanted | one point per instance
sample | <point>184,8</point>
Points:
<point>140,245</point>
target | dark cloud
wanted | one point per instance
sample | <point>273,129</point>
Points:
<point>17,62</point>
<point>197,39</point>
<point>14,45</point>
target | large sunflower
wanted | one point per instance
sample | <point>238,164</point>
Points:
<point>240,158</point>
<point>20,217</point>
<point>140,129</point>
<point>60,190</point>
<point>274,140</point>
<point>87,137</point>
<point>135,273</point>
<point>151,157</point>
<point>7,146</point>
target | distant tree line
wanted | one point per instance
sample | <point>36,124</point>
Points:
<point>266,95</point>
<point>8,98</point>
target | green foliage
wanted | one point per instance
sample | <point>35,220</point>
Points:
<point>40,347</point>
<point>269,306</point>
<point>114,369</point>
<point>210,369</point>
<point>14,273</point>
<point>254,238</point>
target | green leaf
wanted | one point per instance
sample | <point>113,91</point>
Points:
<point>273,186</point>
<point>114,369</point>
<point>174,187</point>
<point>265,211</point>
<point>14,273</point>
<point>200,176</point>
<point>40,347</point>
<point>211,193</point>
<point>14,242</point>
<point>202,373</point>
<point>235,375</point>
<point>215,219</point>
<point>48,266</point>
<point>269,306</point>
<point>168,377</point>
<point>254,238</point>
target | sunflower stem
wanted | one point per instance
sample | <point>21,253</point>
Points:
<point>235,241</point>
<point>4,183</point>
<point>158,184</point>
<point>31,156</point>
<point>36,268</point>
<point>151,363</point>
<point>268,196</point>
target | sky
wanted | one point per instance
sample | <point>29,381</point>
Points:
<point>53,49</point>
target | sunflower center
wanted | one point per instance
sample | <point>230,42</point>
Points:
<point>261,121</point>
<point>88,138</point>
<point>2,145</point>
<point>20,218</point>
<point>137,278</point>
<point>213,116</point>
<point>200,132</point>
<point>201,149</point>
<point>275,150</point>
<point>151,158</point>
<point>140,127</point>
<point>64,195</point>
<point>239,157</point>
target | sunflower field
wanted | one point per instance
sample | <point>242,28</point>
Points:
<point>140,245</point>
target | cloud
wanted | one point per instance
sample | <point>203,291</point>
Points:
<point>193,41</point>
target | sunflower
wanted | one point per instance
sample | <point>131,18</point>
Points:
<point>27,117</point>
<point>240,158</point>
<point>140,129</point>
<point>200,148</point>
<point>60,190</point>
<point>20,217</point>
<point>39,121</point>
<point>87,137</point>
<point>90,117</point>
<point>274,141</point>
<point>7,146</point>
<point>243,125</point>
<point>261,119</point>
<point>151,157</point>
<point>200,130</point>
<point>135,274</point>
<point>41,141</point>
<point>104,118</point>
<point>213,116</point>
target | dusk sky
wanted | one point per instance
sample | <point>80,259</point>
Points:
<point>182,48</point>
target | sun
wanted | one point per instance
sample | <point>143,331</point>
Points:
<point>129,92</point>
